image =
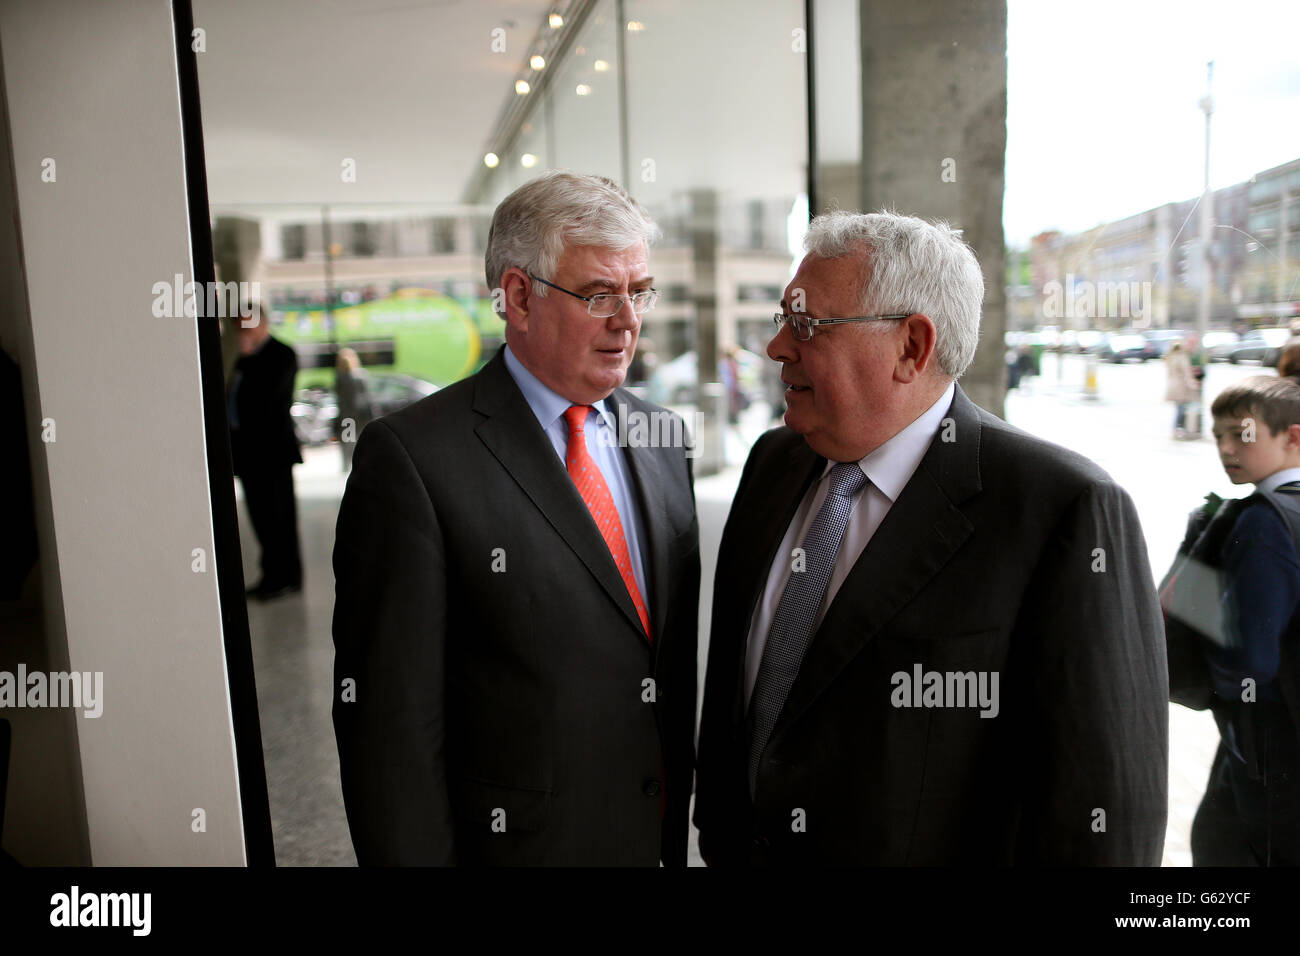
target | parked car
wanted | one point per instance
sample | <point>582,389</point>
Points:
<point>1088,340</point>
<point>1260,345</point>
<point>1162,339</point>
<point>1218,345</point>
<point>315,410</point>
<point>392,391</point>
<point>676,382</point>
<point>1121,346</point>
<point>1047,338</point>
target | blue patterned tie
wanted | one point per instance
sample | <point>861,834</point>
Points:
<point>792,625</point>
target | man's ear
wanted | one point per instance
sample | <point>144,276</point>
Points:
<point>916,348</point>
<point>515,287</point>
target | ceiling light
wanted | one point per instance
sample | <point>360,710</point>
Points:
<point>635,26</point>
<point>491,160</point>
<point>528,160</point>
<point>522,87</point>
<point>583,89</point>
<point>601,66</point>
<point>537,62</point>
<point>556,21</point>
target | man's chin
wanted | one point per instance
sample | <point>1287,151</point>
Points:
<point>599,387</point>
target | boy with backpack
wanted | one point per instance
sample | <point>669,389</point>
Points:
<point>1232,607</point>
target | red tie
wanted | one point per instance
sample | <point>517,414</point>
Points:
<point>591,485</point>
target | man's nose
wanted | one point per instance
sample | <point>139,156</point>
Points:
<point>783,347</point>
<point>625,318</point>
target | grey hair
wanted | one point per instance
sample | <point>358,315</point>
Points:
<point>534,223</point>
<point>914,266</point>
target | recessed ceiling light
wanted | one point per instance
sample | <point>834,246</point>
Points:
<point>522,87</point>
<point>635,26</point>
<point>491,160</point>
<point>556,21</point>
<point>583,89</point>
<point>528,160</point>
<point>537,62</point>
<point>601,66</point>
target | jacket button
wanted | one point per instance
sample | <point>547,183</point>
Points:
<point>651,787</point>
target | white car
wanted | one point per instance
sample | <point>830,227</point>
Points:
<point>1219,345</point>
<point>1260,345</point>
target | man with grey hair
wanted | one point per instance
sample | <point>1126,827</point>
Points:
<point>518,581</point>
<point>935,638</point>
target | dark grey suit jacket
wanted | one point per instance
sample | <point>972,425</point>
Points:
<point>265,439</point>
<point>502,713</point>
<point>1003,554</point>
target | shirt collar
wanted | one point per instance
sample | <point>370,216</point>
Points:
<point>891,466</point>
<point>1278,479</point>
<point>547,405</point>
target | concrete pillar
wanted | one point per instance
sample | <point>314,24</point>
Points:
<point>113,391</point>
<point>45,810</point>
<point>704,294</point>
<point>934,132</point>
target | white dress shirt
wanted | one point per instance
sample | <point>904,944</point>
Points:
<point>888,469</point>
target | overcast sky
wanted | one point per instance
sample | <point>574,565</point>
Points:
<point>1103,114</point>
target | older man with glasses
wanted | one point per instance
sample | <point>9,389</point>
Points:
<point>935,638</point>
<point>517,595</point>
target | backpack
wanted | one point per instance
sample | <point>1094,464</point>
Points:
<point>1190,599</point>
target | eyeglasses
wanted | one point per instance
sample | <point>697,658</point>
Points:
<point>802,326</point>
<point>605,304</point>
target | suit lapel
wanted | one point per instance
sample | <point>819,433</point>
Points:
<point>919,535</point>
<point>775,502</point>
<point>511,433</point>
<point>649,483</point>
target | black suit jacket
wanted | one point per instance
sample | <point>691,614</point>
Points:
<point>1003,553</point>
<point>503,710</point>
<point>263,393</point>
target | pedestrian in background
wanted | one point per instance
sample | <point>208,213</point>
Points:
<point>1181,388</point>
<point>1013,369</point>
<point>264,449</point>
<point>356,403</point>
<point>1250,815</point>
<point>1027,365</point>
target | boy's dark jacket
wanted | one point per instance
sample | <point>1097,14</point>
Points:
<point>1184,598</point>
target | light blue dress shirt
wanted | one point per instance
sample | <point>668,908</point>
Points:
<point>602,443</point>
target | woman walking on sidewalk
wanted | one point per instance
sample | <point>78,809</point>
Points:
<point>1183,389</point>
